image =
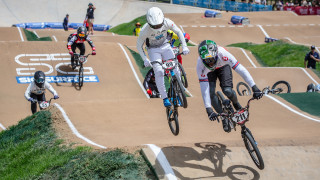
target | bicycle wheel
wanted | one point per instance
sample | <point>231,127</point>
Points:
<point>178,87</point>
<point>253,149</point>
<point>81,76</point>
<point>173,121</point>
<point>281,87</point>
<point>243,89</point>
<point>184,79</point>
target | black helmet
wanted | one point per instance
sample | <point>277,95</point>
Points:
<point>81,32</point>
<point>39,78</point>
<point>90,4</point>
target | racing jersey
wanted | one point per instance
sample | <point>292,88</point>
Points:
<point>33,88</point>
<point>157,38</point>
<point>74,39</point>
<point>172,37</point>
<point>224,58</point>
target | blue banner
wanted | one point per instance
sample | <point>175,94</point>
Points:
<point>58,79</point>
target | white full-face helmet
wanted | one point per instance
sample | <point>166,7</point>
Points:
<point>155,18</point>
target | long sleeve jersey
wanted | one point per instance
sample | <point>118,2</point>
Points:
<point>75,39</point>
<point>224,58</point>
<point>157,38</point>
<point>33,88</point>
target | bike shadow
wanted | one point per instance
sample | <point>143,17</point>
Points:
<point>184,157</point>
<point>67,69</point>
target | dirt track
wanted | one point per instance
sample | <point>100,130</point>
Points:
<point>116,113</point>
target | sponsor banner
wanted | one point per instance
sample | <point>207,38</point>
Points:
<point>58,79</point>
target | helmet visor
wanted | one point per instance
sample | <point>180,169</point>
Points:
<point>210,61</point>
<point>40,80</point>
<point>82,35</point>
<point>158,26</point>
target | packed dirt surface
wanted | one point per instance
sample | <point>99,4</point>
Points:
<point>115,111</point>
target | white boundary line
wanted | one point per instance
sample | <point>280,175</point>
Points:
<point>36,34</point>
<point>244,52</point>
<point>4,128</point>
<point>292,110</point>
<point>134,72</point>
<point>264,32</point>
<point>74,130</point>
<point>169,174</point>
<point>294,13</point>
<point>54,37</point>
<point>300,43</point>
<point>309,75</point>
<point>20,34</point>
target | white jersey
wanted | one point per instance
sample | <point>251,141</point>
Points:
<point>224,58</point>
<point>157,38</point>
<point>33,88</point>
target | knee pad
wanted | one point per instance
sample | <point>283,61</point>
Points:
<point>228,92</point>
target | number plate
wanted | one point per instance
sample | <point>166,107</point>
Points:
<point>82,59</point>
<point>175,50</point>
<point>44,104</point>
<point>240,117</point>
<point>169,64</point>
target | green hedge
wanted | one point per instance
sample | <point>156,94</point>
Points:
<point>33,37</point>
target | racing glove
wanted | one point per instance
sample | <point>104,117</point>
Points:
<point>185,50</point>
<point>211,114</point>
<point>149,91</point>
<point>56,97</point>
<point>257,94</point>
<point>94,53</point>
<point>71,53</point>
<point>147,63</point>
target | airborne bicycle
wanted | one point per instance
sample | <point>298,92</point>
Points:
<point>176,94</point>
<point>240,118</point>
<point>183,74</point>
<point>80,60</point>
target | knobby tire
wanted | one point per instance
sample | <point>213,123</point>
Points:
<point>285,83</point>
<point>253,150</point>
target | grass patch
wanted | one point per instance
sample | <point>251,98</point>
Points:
<point>277,54</point>
<point>308,102</point>
<point>127,28</point>
<point>31,150</point>
<point>33,37</point>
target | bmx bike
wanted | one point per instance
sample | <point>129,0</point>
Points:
<point>176,94</point>
<point>184,79</point>
<point>240,118</point>
<point>80,60</point>
<point>44,104</point>
<point>279,87</point>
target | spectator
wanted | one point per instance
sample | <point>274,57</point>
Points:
<point>257,1</point>
<point>263,2</point>
<point>290,3</point>
<point>65,22</point>
<point>296,3</point>
<point>90,17</point>
<point>137,29</point>
<point>279,5</point>
<point>314,3</point>
<point>304,3</point>
<point>312,57</point>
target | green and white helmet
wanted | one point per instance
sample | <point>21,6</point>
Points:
<point>208,52</point>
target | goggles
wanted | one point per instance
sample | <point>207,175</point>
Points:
<point>210,60</point>
<point>40,80</point>
<point>158,26</point>
<point>82,35</point>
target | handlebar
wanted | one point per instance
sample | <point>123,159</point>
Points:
<point>246,107</point>
<point>42,101</point>
<point>82,55</point>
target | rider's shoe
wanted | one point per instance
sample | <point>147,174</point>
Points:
<point>166,102</point>
<point>225,124</point>
<point>237,106</point>
<point>73,65</point>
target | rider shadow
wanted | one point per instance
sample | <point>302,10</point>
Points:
<point>67,68</point>
<point>183,157</point>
